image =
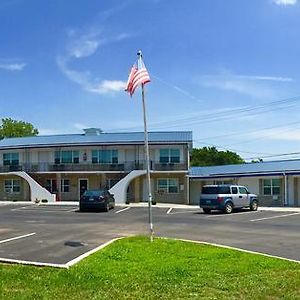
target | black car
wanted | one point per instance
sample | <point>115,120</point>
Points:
<point>96,200</point>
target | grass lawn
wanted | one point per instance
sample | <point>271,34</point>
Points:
<point>134,268</point>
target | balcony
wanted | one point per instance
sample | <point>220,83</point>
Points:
<point>80,167</point>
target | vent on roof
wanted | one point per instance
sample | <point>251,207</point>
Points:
<point>92,131</point>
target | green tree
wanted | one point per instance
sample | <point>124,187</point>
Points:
<point>12,128</point>
<point>210,156</point>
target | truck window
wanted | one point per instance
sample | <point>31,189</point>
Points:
<point>234,190</point>
<point>243,190</point>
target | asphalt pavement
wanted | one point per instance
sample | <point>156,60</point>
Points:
<point>49,234</point>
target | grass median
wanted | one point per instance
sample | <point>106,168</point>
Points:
<point>134,268</point>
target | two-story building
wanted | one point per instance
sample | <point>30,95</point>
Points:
<point>62,167</point>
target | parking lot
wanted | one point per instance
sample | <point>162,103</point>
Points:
<point>59,234</point>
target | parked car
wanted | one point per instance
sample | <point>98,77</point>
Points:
<point>96,200</point>
<point>226,198</point>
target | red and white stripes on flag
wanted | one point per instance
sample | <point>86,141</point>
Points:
<point>138,75</point>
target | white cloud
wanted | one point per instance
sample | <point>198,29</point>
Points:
<point>285,2</point>
<point>266,78</point>
<point>283,134</point>
<point>107,86</point>
<point>87,83</point>
<point>83,44</point>
<point>12,66</point>
<point>251,85</point>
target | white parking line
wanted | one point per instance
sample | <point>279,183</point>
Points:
<point>169,210</point>
<point>234,214</point>
<point>17,237</point>
<point>18,208</point>
<point>185,212</point>
<point>274,217</point>
<point>126,208</point>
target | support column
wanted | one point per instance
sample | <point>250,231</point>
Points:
<point>58,186</point>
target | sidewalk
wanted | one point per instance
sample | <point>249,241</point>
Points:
<point>145,204</point>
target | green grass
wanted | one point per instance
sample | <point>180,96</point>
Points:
<point>134,268</point>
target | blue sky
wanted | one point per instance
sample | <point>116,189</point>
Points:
<point>227,70</point>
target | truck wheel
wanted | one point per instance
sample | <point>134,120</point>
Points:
<point>254,205</point>
<point>228,208</point>
<point>206,210</point>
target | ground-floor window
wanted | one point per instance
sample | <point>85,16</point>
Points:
<point>111,182</point>
<point>167,185</point>
<point>65,185</point>
<point>271,186</point>
<point>51,185</point>
<point>12,186</point>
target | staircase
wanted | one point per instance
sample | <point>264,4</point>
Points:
<point>37,192</point>
<point>120,188</point>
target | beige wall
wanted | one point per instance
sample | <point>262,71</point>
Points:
<point>23,195</point>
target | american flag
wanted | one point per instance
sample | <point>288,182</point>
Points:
<point>138,75</point>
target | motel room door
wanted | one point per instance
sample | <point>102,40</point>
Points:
<point>83,185</point>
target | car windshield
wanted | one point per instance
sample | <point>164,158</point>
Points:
<point>216,190</point>
<point>93,193</point>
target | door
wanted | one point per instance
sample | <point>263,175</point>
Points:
<point>243,196</point>
<point>83,185</point>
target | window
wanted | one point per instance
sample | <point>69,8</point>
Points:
<point>66,157</point>
<point>169,156</point>
<point>65,185</point>
<point>243,190</point>
<point>271,186</point>
<point>51,185</point>
<point>105,156</point>
<point>11,159</point>
<point>12,186</point>
<point>234,190</point>
<point>167,185</point>
<point>111,182</point>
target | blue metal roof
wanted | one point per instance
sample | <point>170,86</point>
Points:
<point>101,139</point>
<point>247,169</point>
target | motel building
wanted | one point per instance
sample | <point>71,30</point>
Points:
<point>276,183</point>
<point>61,167</point>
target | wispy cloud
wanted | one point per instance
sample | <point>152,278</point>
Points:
<point>85,80</point>
<point>251,85</point>
<point>283,134</point>
<point>285,2</point>
<point>12,66</point>
<point>85,43</point>
<point>265,78</point>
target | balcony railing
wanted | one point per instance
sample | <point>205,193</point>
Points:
<point>123,167</point>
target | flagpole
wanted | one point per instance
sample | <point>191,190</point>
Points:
<point>147,158</point>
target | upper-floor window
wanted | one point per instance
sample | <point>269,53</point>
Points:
<point>169,155</point>
<point>271,186</point>
<point>104,156</point>
<point>67,157</point>
<point>11,159</point>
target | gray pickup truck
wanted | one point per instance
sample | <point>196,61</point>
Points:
<point>226,198</point>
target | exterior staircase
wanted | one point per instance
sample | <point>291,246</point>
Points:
<point>120,188</point>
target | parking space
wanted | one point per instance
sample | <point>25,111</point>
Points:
<point>59,234</point>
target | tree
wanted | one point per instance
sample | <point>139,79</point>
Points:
<point>12,128</point>
<point>210,156</point>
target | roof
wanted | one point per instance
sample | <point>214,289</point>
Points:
<point>247,169</point>
<point>102,138</point>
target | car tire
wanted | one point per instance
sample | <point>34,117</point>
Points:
<point>206,210</point>
<point>228,208</point>
<point>254,205</point>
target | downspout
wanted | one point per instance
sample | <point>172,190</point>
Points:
<point>285,189</point>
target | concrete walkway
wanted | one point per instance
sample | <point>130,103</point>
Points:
<point>145,204</point>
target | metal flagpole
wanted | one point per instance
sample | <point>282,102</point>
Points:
<point>147,158</point>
